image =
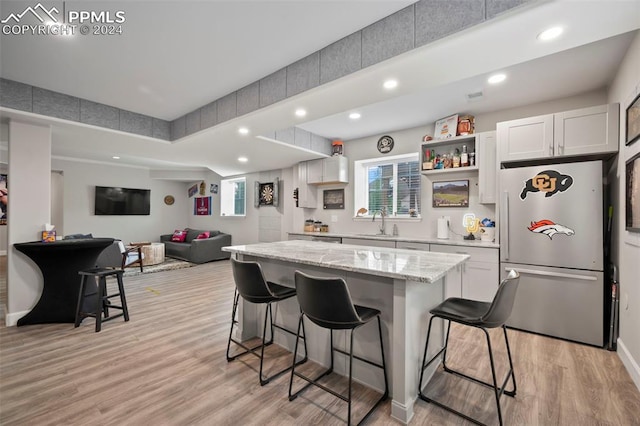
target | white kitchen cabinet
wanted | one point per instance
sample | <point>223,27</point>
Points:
<point>585,131</point>
<point>328,170</point>
<point>487,167</point>
<point>412,246</point>
<point>307,194</point>
<point>367,242</point>
<point>480,275</point>
<point>526,138</point>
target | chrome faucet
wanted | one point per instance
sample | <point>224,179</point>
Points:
<point>383,213</point>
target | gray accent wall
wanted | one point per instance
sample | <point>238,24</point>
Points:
<point>24,97</point>
<point>416,25</point>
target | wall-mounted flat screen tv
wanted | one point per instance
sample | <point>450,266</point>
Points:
<point>122,201</point>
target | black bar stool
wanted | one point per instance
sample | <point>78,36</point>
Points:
<point>327,303</point>
<point>251,285</point>
<point>100,304</point>
<point>482,315</point>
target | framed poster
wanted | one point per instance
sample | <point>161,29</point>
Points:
<point>202,206</point>
<point>193,190</point>
<point>333,199</point>
<point>454,193</point>
<point>632,194</point>
<point>632,120</point>
<point>3,199</point>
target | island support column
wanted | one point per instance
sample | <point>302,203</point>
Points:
<point>411,304</point>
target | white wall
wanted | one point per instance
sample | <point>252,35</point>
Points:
<point>80,179</point>
<point>260,224</point>
<point>28,210</point>
<point>624,88</point>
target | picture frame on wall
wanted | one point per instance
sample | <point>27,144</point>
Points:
<point>333,199</point>
<point>632,194</point>
<point>451,193</point>
<point>632,121</point>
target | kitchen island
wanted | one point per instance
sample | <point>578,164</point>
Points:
<point>403,284</point>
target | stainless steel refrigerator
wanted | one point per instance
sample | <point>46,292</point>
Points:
<point>551,231</point>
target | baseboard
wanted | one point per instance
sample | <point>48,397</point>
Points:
<point>630,364</point>
<point>3,252</point>
<point>12,319</point>
<point>402,413</point>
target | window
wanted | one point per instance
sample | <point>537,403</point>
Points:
<point>233,197</point>
<point>392,183</point>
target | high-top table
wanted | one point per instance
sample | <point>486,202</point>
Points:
<point>60,262</point>
<point>403,284</point>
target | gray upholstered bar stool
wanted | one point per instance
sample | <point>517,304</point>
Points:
<point>327,303</point>
<point>97,303</point>
<point>252,287</point>
<point>482,315</point>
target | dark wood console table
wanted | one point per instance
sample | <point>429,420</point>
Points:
<point>59,263</point>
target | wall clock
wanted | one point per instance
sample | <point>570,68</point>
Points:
<point>169,200</point>
<point>385,144</point>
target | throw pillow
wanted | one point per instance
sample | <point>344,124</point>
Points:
<point>203,235</point>
<point>179,235</point>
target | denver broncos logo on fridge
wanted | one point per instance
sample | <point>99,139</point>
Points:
<point>549,228</point>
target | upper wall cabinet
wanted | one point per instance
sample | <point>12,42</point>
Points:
<point>328,170</point>
<point>584,131</point>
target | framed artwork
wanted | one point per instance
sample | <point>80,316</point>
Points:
<point>193,190</point>
<point>3,199</point>
<point>213,188</point>
<point>632,120</point>
<point>333,199</point>
<point>202,206</point>
<point>632,194</point>
<point>454,193</point>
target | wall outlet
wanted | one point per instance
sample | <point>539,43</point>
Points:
<point>334,218</point>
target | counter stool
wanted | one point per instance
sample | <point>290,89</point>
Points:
<point>327,303</point>
<point>482,315</point>
<point>251,285</point>
<point>100,304</point>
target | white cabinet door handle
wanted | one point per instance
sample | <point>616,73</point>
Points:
<point>554,274</point>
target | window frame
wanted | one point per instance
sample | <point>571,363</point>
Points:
<point>361,184</point>
<point>227,200</point>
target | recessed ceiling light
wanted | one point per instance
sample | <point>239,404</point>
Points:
<point>390,84</point>
<point>355,115</point>
<point>301,112</point>
<point>243,159</point>
<point>243,131</point>
<point>497,78</point>
<point>550,34</point>
<point>115,157</point>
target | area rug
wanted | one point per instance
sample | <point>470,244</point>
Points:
<point>168,265</point>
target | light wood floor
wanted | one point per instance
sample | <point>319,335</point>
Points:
<point>167,367</point>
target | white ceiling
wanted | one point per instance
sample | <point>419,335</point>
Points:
<point>191,53</point>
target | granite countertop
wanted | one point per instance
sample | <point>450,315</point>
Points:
<point>421,266</point>
<point>448,242</point>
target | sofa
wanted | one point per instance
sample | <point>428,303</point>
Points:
<point>197,250</point>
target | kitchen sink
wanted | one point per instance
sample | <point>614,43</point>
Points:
<point>375,235</point>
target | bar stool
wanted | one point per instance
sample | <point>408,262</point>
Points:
<point>327,303</point>
<point>251,285</point>
<point>100,304</point>
<point>482,315</point>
